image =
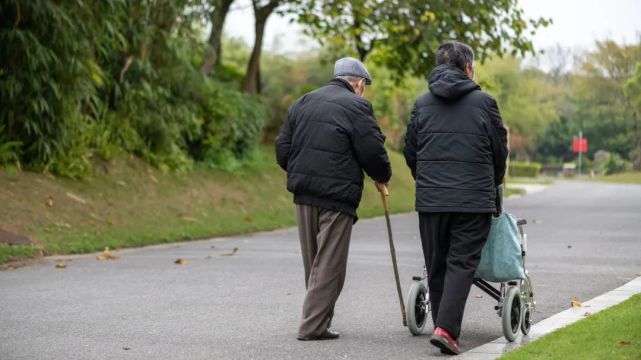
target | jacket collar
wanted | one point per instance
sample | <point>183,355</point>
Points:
<point>342,83</point>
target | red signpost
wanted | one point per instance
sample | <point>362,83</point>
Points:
<point>580,146</point>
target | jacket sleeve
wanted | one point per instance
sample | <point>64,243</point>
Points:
<point>283,141</point>
<point>409,149</point>
<point>498,138</point>
<point>369,145</point>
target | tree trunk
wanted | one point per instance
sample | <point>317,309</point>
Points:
<point>362,53</point>
<point>252,76</point>
<point>358,39</point>
<point>251,84</point>
<point>636,158</point>
<point>214,53</point>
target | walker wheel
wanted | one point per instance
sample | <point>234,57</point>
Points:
<point>417,308</point>
<point>511,313</point>
<point>526,324</point>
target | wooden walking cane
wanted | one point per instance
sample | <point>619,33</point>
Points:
<point>384,193</point>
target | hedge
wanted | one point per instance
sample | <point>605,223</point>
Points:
<point>524,169</point>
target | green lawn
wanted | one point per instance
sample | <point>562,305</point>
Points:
<point>129,203</point>
<point>614,333</point>
<point>530,181</point>
<point>622,178</point>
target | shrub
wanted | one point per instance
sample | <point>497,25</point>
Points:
<point>9,150</point>
<point>231,127</point>
<point>524,169</point>
<point>115,78</point>
<point>45,74</point>
<point>612,164</point>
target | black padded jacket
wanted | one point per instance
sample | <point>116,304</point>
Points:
<point>329,138</point>
<point>456,146</point>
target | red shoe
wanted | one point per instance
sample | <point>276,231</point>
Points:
<point>444,341</point>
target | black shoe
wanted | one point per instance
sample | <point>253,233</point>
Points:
<point>330,335</point>
<point>327,335</point>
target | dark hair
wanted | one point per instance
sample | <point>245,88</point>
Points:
<point>454,53</point>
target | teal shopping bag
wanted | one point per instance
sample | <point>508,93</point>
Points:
<point>501,256</point>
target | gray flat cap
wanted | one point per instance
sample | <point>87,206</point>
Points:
<point>349,66</point>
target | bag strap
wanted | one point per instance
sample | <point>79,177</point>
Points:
<point>499,199</point>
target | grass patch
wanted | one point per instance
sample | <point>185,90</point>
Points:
<point>512,191</point>
<point>8,252</point>
<point>622,178</point>
<point>614,333</point>
<point>129,203</point>
<point>530,181</point>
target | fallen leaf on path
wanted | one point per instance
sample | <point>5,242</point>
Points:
<point>624,343</point>
<point>231,253</point>
<point>126,348</point>
<point>50,201</point>
<point>575,303</point>
<point>587,313</point>
<point>61,265</point>
<point>106,255</point>
<point>182,262</point>
<point>76,198</point>
<point>537,221</point>
<point>11,267</point>
<point>478,296</point>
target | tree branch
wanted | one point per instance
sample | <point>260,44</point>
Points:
<point>18,15</point>
<point>128,61</point>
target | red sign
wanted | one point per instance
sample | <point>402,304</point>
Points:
<point>580,146</point>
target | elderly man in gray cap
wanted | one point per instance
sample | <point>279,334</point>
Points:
<point>329,138</point>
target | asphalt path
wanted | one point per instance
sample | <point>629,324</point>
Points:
<point>584,240</point>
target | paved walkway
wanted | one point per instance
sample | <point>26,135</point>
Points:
<point>584,241</point>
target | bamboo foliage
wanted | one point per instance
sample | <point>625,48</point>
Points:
<point>80,79</point>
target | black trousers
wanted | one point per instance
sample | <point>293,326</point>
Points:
<point>452,244</point>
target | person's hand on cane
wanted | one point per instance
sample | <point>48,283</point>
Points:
<point>382,187</point>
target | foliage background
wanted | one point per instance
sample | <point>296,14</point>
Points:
<point>104,86</point>
<point>116,94</point>
<point>124,77</point>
